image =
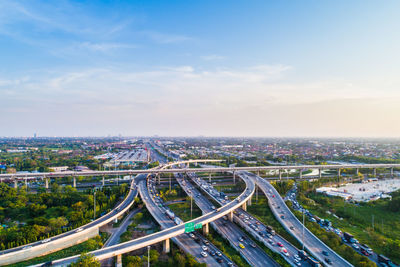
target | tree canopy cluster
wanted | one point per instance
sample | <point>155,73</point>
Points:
<point>29,217</point>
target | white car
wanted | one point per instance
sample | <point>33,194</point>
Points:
<point>203,254</point>
<point>204,248</point>
<point>78,230</point>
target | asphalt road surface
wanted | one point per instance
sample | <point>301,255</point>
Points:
<point>294,226</point>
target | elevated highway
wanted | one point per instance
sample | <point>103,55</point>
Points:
<point>253,226</point>
<point>289,221</point>
<point>166,234</point>
<point>185,242</point>
<point>255,256</point>
<point>47,175</point>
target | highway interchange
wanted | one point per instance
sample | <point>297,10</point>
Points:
<point>250,251</point>
<point>254,226</point>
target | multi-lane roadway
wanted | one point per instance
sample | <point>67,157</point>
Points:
<point>157,210</point>
<point>250,251</point>
<point>289,221</point>
<point>255,227</point>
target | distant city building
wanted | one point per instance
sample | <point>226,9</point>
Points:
<point>59,169</point>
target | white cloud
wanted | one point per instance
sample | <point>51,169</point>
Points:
<point>256,100</point>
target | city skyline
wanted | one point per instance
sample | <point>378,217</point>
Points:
<point>214,69</point>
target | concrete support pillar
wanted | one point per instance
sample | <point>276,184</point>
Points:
<point>15,183</point>
<point>256,194</point>
<point>391,172</point>
<point>209,177</point>
<point>249,201</point>
<point>320,173</point>
<point>230,216</point>
<point>46,183</point>
<point>26,182</point>
<point>280,174</point>
<point>159,178</point>
<point>103,181</point>
<point>118,262</point>
<point>258,173</point>
<point>206,229</point>
<point>74,182</point>
<point>301,174</point>
<point>357,171</point>
<point>166,246</point>
<point>338,172</point>
<point>244,206</point>
<point>374,172</point>
<point>195,164</point>
<point>234,177</point>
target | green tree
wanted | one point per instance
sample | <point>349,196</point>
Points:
<point>86,260</point>
<point>133,261</point>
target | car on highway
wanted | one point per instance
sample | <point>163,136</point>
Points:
<point>204,248</point>
<point>325,253</point>
<point>329,261</point>
<point>220,260</point>
<point>203,254</point>
<point>241,246</point>
<point>285,252</point>
<point>212,253</point>
<point>279,244</point>
<point>46,240</point>
<point>355,246</point>
<point>78,230</point>
<point>219,254</point>
<point>27,247</point>
<point>253,245</point>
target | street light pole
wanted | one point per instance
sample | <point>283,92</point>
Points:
<point>191,205</point>
<point>170,182</point>
<point>148,256</point>
<point>94,204</point>
<point>303,230</point>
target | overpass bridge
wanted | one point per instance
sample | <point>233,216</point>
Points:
<point>168,169</point>
<point>169,233</point>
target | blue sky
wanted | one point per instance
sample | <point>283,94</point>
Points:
<point>227,68</point>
